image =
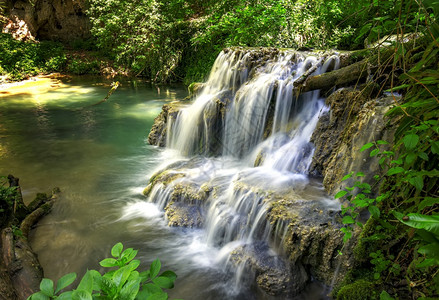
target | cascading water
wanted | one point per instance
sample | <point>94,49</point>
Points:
<point>253,133</point>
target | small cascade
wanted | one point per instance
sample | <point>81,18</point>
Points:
<point>246,143</point>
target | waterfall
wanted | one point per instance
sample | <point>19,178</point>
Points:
<point>246,143</point>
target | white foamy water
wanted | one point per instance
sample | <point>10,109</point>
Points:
<point>245,137</point>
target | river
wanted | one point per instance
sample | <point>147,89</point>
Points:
<point>99,157</point>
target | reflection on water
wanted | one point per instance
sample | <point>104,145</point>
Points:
<point>99,158</point>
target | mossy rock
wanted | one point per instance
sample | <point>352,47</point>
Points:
<point>194,88</point>
<point>361,289</point>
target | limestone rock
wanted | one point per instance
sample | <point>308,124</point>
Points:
<point>184,215</point>
<point>353,120</point>
<point>158,133</point>
<point>272,274</point>
<point>60,20</point>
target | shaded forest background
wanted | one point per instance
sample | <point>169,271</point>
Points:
<point>179,40</point>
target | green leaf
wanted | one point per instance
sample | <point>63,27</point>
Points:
<point>394,171</point>
<point>423,155</point>
<point>116,250</point>
<point>86,283</point>
<point>340,194</point>
<point>65,296</point>
<point>417,182</point>
<point>374,152</point>
<point>348,220</point>
<point>347,176</point>
<point>158,296</point>
<point>420,221</point>
<point>399,87</point>
<point>397,162</point>
<point>430,250</point>
<point>374,211</point>
<point>155,268</point>
<point>128,255</point>
<point>108,286</point>
<point>81,295</point>
<point>134,264</point>
<point>144,275</point>
<point>65,281</point>
<point>96,280</point>
<point>163,282</point>
<point>121,276</point>
<point>169,274</point>
<point>359,174</point>
<point>410,158</point>
<point>381,142</point>
<point>46,287</point>
<point>385,296</point>
<point>366,146</point>
<point>410,141</point>
<point>130,290</point>
<point>108,262</point>
<point>347,236</point>
<point>152,288</point>
<point>39,296</point>
<point>435,147</point>
<point>427,202</point>
<point>427,263</point>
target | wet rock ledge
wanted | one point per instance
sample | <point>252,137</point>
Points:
<point>306,232</point>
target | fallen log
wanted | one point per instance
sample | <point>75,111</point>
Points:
<point>378,61</point>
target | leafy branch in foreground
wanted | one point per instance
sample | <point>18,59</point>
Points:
<point>124,282</point>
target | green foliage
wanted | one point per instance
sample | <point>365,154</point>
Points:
<point>80,66</point>
<point>405,239</point>
<point>7,200</point>
<point>123,281</point>
<point>23,59</point>
<point>240,24</point>
<point>361,289</point>
<point>142,35</point>
<point>177,39</point>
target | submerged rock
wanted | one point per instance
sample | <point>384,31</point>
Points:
<point>272,274</point>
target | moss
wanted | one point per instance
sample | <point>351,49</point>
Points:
<point>194,88</point>
<point>361,289</point>
<point>165,178</point>
<point>363,247</point>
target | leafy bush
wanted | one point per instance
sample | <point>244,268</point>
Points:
<point>24,59</point>
<point>80,66</point>
<point>123,282</point>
